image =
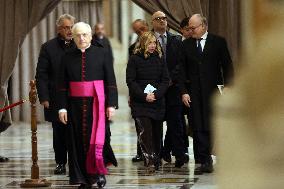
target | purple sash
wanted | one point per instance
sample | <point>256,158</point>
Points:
<point>94,159</point>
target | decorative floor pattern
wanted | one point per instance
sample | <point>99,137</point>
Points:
<point>15,143</point>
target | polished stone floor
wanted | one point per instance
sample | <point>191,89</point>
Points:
<point>15,143</point>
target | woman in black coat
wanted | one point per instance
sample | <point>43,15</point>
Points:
<point>147,79</point>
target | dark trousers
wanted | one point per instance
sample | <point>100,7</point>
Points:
<point>202,146</point>
<point>139,151</point>
<point>60,142</point>
<point>108,154</point>
<point>201,117</point>
<point>174,139</point>
<point>168,144</point>
<point>149,136</point>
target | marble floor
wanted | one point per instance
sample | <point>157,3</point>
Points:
<point>15,143</point>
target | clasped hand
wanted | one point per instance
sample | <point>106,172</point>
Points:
<point>150,97</point>
<point>186,100</point>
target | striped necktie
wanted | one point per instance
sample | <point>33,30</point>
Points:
<point>164,45</point>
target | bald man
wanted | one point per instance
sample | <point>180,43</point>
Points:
<point>171,44</point>
<point>207,64</point>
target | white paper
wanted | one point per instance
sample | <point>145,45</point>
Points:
<point>149,89</point>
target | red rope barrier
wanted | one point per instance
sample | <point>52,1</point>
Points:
<point>12,105</point>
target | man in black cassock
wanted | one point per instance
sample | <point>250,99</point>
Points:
<point>207,65</point>
<point>47,70</point>
<point>86,64</point>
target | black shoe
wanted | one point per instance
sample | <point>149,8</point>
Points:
<point>167,158</point>
<point>60,169</point>
<point>207,168</point>
<point>82,186</point>
<point>198,171</point>
<point>180,161</point>
<point>85,186</point>
<point>101,182</point>
<point>204,168</point>
<point>3,159</point>
<point>137,158</point>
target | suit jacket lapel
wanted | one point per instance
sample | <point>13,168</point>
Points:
<point>169,39</point>
<point>194,47</point>
<point>208,44</point>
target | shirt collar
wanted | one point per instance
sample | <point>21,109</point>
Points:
<point>83,50</point>
<point>158,34</point>
<point>204,36</point>
<point>63,43</point>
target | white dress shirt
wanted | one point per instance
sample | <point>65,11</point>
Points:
<point>203,40</point>
<point>158,36</point>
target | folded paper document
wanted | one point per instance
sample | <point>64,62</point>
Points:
<point>149,89</point>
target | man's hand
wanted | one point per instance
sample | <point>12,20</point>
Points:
<point>150,97</point>
<point>186,100</point>
<point>45,104</point>
<point>63,117</point>
<point>110,111</point>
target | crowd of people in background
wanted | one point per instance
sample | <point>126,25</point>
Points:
<point>198,63</point>
<point>168,76</point>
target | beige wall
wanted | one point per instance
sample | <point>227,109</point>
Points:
<point>249,117</point>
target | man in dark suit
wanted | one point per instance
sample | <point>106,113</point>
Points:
<point>206,63</point>
<point>99,38</point>
<point>187,128</point>
<point>46,76</point>
<point>139,26</point>
<point>174,136</point>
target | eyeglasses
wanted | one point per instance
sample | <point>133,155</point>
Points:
<point>163,18</point>
<point>193,28</point>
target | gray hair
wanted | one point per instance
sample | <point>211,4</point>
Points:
<point>141,21</point>
<point>202,18</point>
<point>64,16</point>
<point>82,25</point>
